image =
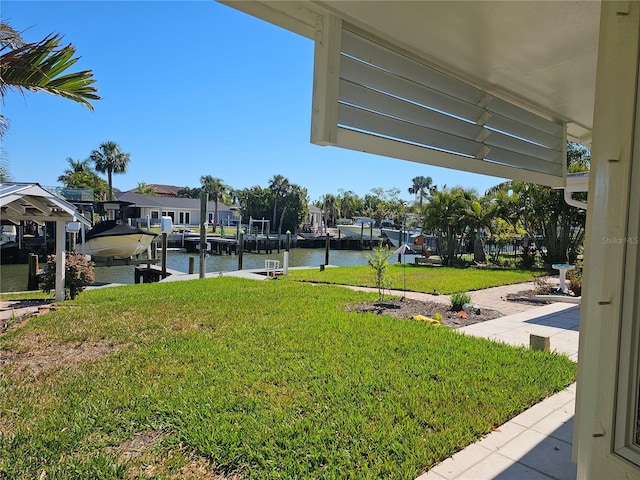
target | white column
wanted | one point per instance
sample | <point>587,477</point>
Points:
<point>607,252</point>
<point>60,258</point>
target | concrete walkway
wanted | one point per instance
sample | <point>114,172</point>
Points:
<point>15,309</point>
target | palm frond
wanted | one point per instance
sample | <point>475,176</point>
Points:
<point>9,37</point>
<point>40,66</point>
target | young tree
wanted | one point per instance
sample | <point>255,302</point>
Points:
<point>255,202</point>
<point>379,265</point>
<point>295,207</point>
<point>110,159</point>
<point>479,215</point>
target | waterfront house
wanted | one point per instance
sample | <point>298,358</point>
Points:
<point>183,211</point>
<point>314,223</point>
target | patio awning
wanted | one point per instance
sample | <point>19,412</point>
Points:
<point>485,87</point>
<point>29,201</point>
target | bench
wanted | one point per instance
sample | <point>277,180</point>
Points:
<point>430,261</point>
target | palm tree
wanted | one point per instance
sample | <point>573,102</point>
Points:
<point>504,204</point>
<point>76,166</point>
<point>350,203</point>
<point>217,192</point>
<point>329,204</point>
<point>144,189</point>
<point>479,215</point>
<point>40,67</point>
<point>444,215</point>
<point>279,186</point>
<point>188,192</point>
<point>111,160</point>
<point>421,185</point>
<point>81,175</point>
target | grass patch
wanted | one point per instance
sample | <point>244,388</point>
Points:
<point>261,379</point>
<point>31,295</point>
<point>445,280</point>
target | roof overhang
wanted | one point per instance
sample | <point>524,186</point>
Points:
<point>29,201</point>
<point>489,87</point>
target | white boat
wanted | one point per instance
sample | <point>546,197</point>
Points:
<point>362,227</point>
<point>398,237</point>
<point>8,234</point>
<point>113,239</point>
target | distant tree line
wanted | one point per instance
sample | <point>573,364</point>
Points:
<point>283,203</point>
<point>536,214</point>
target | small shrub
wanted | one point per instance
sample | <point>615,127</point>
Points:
<point>78,273</point>
<point>575,279</point>
<point>458,300</point>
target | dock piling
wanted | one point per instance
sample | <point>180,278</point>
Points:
<point>32,283</point>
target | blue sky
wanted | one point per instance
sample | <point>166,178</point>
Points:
<point>188,89</point>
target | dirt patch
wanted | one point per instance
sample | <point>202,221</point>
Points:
<point>139,444</point>
<point>407,307</point>
<point>145,460</point>
<point>13,322</point>
<point>37,354</point>
<point>200,469</point>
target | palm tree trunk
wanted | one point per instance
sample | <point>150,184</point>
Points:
<point>110,185</point>
<point>478,249</point>
<point>275,210</point>
<point>215,214</point>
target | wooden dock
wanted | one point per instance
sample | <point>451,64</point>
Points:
<point>152,273</point>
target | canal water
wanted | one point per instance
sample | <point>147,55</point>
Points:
<point>13,278</point>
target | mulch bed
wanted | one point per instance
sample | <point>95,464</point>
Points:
<point>407,307</point>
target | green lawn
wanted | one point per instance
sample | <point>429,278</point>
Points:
<point>265,379</point>
<point>427,279</point>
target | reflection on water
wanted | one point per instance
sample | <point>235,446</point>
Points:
<point>13,278</point>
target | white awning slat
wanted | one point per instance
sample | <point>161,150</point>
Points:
<point>370,76</point>
<point>366,121</point>
<point>386,93</point>
<point>402,66</point>
<point>365,98</point>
